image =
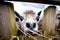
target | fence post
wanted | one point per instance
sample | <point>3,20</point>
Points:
<point>49,21</point>
<point>7,21</point>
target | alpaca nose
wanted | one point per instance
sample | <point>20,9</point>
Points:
<point>31,25</point>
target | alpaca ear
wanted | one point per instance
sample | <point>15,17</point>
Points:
<point>38,15</point>
<point>19,16</point>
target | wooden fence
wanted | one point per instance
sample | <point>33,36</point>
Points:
<point>49,21</point>
<point>7,21</point>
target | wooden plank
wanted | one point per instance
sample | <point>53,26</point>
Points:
<point>41,1</point>
<point>7,21</point>
<point>49,21</point>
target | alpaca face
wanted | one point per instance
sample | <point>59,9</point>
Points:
<point>29,21</point>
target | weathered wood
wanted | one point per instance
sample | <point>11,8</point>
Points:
<point>7,21</point>
<point>49,21</point>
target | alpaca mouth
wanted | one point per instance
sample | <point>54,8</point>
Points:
<point>31,33</point>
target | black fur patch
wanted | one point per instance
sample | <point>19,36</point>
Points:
<point>39,13</point>
<point>21,18</point>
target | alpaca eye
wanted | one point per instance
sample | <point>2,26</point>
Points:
<point>37,18</point>
<point>17,19</point>
<point>59,18</point>
<point>21,18</point>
